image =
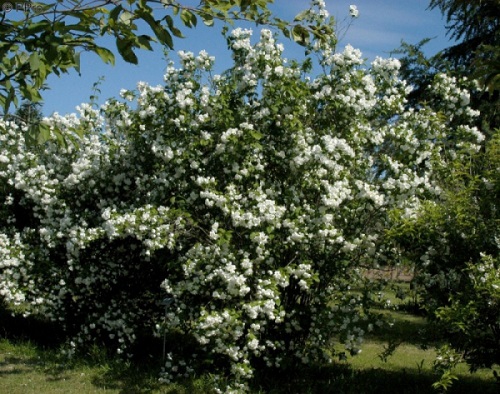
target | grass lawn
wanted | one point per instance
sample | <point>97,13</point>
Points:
<point>26,366</point>
<point>409,368</point>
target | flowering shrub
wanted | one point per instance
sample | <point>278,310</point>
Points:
<point>252,199</point>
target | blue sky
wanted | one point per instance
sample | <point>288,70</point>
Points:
<point>378,30</point>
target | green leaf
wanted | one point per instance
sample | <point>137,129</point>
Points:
<point>164,37</point>
<point>10,97</point>
<point>79,131</point>
<point>188,18</point>
<point>208,19</point>
<point>34,61</point>
<point>35,28</point>
<point>71,28</point>
<point>115,12</point>
<point>301,16</point>
<point>105,54</point>
<point>3,103</point>
<point>29,92</point>
<point>76,58</point>
<point>300,35</point>
<point>124,47</point>
<point>170,23</point>
<point>126,17</point>
<point>43,133</point>
<point>244,4</point>
<point>145,41</point>
<point>162,34</point>
<point>256,134</point>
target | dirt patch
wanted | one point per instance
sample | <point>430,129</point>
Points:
<point>391,273</point>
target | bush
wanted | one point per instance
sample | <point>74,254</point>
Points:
<point>454,242</point>
<point>472,317</point>
<point>253,200</point>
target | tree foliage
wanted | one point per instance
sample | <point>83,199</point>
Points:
<point>454,239</point>
<point>471,23</point>
<point>49,37</point>
<point>475,55</point>
<point>475,27</point>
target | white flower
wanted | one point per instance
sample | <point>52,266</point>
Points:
<point>253,344</point>
<point>353,11</point>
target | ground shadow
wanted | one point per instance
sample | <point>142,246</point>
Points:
<point>406,328</point>
<point>341,379</point>
<point>34,329</point>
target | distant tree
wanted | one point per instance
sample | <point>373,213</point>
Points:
<point>419,69</point>
<point>29,113</point>
<point>473,24</point>
<point>474,27</point>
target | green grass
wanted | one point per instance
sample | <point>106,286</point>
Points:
<point>30,363</point>
<point>408,367</point>
<point>402,356</point>
<point>29,368</point>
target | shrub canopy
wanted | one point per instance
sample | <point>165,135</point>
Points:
<point>253,200</point>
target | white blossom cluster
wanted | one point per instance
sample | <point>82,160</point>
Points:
<point>248,198</point>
